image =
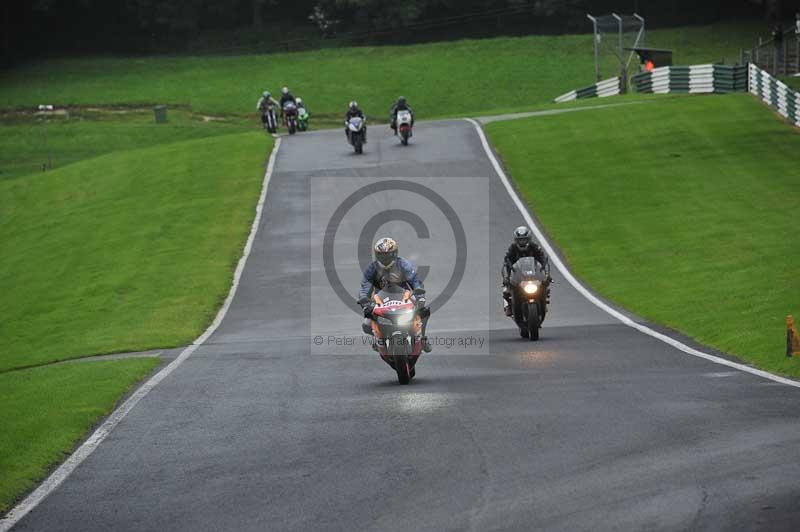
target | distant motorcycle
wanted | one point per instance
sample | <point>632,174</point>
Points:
<point>302,119</point>
<point>528,284</point>
<point>270,120</point>
<point>404,126</point>
<point>355,133</point>
<point>398,345</point>
<point>290,116</point>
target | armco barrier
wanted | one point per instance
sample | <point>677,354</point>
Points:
<point>601,89</point>
<point>696,79</point>
<point>775,93</point>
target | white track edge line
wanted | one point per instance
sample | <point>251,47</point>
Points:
<point>81,453</point>
<point>594,299</point>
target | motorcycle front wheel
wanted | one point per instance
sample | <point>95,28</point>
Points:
<point>533,321</point>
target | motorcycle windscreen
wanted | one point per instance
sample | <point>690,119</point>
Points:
<point>524,269</point>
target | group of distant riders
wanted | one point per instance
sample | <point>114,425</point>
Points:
<point>293,112</point>
<point>267,104</point>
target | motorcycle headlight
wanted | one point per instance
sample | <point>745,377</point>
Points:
<point>531,288</point>
<point>405,319</point>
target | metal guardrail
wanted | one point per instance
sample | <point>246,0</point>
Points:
<point>602,89</point>
<point>695,79</point>
<point>774,93</point>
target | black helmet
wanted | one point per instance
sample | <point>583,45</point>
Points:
<point>354,105</point>
<point>401,100</point>
<point>522,237</point>
<point>386,252</point>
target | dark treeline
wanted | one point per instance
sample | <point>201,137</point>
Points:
<point>32,28</point>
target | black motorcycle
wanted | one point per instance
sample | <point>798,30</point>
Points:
<point>528,285</point>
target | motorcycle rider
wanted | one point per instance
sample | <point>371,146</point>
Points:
<point>354,110</point>
<point>286,96</point>
<point>261,106</point>
<point>389,268</point>
<point>523,246</point>
<point>301,105</point>
<point>400,105</point>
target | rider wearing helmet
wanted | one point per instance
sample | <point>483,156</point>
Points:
<point>400,105</point>
<point>261,106</point>
<point>523,246</point>
<point>286,96</point>
<point>301,105</point>
<point>389,268</point>
<point>354,110</point>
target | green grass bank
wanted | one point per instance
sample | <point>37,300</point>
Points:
<point>681,211</point>
<point>440,79</point>
<point>47,410</point>
<point>126,251</point>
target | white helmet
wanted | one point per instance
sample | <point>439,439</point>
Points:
<point>285,90</point>
<point>299,101</point>
<point>266,94</point>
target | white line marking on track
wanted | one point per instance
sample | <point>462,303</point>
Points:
<point>592,298</point>
<point>81,453</point>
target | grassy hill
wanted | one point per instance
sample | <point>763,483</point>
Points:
<point>125,251</point>
<point>441,79</point>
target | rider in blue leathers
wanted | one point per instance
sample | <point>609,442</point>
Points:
<point>389,268</point>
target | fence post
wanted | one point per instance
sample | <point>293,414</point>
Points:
<point>758,52</point>
<point>785,56</point>
<point>797,56</point>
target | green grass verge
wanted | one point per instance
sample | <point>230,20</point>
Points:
<point>47,410</point>
<point>792,81</point>
<point>441,79</point>
<point>683,212</point>
<point>125,251</point>
<point>31,143</point>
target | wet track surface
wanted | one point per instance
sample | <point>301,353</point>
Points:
<point>595,427</point>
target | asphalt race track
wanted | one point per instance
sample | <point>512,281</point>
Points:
<point>595,427</point>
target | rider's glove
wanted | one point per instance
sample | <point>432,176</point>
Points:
<point>368,308</point>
